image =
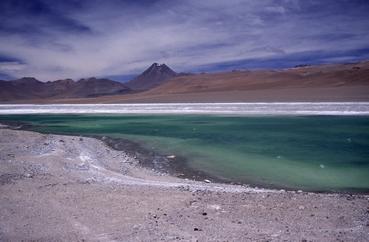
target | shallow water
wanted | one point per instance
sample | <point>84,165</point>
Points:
<point>315,153</point>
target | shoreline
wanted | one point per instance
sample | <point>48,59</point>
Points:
<point>191,184</point>
<point>95,193</point>
<point>159,162</point>
<point>175,166</point>
<point>155,161</point>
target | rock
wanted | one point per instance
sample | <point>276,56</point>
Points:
<point>204,214</point>
<point>28,175</point>
<point>207,181</point>
<point>214,206</point>
<point>3,126</point>
<point>301,207</point>
<point>171,156</point>
<point>350,198</point>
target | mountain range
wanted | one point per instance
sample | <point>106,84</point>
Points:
<point>159,83</point>
<point>29,88</point>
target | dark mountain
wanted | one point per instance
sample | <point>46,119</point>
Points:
<point>152,77</point>
<point>93,87</point>
<point>24,88</point>
<point>30,88</point>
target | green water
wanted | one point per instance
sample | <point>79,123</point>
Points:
<point>316,153</point>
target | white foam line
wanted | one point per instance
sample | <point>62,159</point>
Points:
<point>275,108</point>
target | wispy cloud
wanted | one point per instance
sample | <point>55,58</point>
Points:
<point>60,39</point>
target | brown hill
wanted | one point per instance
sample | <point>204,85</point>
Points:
<point>300,77</point>
<point>152,77</point>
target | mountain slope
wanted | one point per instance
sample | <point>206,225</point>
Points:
<point>302,77</point>
<point>152,77</point>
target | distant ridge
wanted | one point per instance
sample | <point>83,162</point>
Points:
<point>31,88</point>
<point>153,76</point>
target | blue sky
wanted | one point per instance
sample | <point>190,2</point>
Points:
<point>119,38</point>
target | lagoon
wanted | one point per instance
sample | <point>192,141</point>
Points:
<point>312,153</point>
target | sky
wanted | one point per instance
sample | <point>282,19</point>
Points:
<point>57,39</point>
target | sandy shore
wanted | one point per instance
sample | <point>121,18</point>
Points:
<point>69,188</point>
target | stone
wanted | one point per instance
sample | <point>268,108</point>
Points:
<point>28,175</point>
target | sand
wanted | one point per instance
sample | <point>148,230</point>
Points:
<point>65,188</point>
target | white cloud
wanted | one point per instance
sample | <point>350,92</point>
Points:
<point>125,39</point>
<point>11,66</point>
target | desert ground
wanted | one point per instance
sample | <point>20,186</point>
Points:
<point>359,93</point>
<point>65,188</point>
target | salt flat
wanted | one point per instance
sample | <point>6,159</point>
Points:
<point>260,108</point>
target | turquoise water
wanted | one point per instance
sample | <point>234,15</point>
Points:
<point>315,153</point>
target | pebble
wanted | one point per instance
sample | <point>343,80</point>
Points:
<point>28,175</point>
<point>214,206</point>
